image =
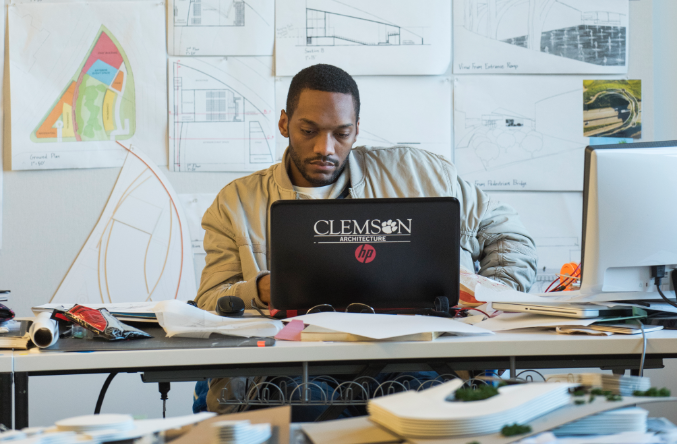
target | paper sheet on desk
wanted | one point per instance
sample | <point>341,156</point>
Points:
<point>483,293</point>
<point>180,319</point>
<point>382,326</point>
<point>513,321</point>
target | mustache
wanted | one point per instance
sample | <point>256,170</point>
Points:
<point>329,159</point>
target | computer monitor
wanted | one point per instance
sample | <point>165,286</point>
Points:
<point>629,219</point>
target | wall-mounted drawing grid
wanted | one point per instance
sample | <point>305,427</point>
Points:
<point>218,120</point>
<point>324,28</point>
<point>501,148</point>
<point>140,248</point>
<point>220,27</point>
<point>378,37</point>
<point>592,32</point>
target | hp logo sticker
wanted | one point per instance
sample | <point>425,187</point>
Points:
<point>365,253</point>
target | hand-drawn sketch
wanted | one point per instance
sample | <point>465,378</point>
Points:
<point>612,108</point>
<point>98,103</point>
<point>140,248</point>
<point>385,111</point>
<point>541,36</point>
<point>221,114</point>
<point>84,78</point>
<point>512,132</point>
<point>364,38</point>
<point>195,206</point>
<point>555,221</point>
<point>220,27</point>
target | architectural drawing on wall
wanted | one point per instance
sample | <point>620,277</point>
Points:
<point>194,207</point>
<point>354,35</point>
<point>140,248</point>
<point>511,132</point>
<point>578,36</point>
<point>612,108</point>
<point>221,27</point>
<point>384,117</point>
<point>98,103</point>
<point>221,114</point>
<point>324,28</point>
<point>84,78</point>
<point>554,220</point>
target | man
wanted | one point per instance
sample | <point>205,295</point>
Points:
<point>322,121</point>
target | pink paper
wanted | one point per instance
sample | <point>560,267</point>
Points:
<point>292,331</point>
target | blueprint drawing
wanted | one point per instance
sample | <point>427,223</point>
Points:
<point>378,37</point>
<point>84,78</point>
<point>194,207</point>
<point>220,27</point>
<point>513,132</point>
<point>140,249</point>
<point>541,36</point>
<point>554,220</point>
<point>385,117</point>
<point>221,114</point>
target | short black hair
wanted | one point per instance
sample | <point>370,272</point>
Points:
<point>322,77</point>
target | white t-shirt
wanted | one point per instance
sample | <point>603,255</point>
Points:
<point>325,191</point>
<point>316,192</point>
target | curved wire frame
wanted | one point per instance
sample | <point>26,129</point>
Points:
<point>303,390</point>
<point>327,390</point>
<point>529,377</point>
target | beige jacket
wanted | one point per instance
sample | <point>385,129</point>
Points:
<point>237,223</point>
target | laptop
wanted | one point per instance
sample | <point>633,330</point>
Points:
<point>580,311</point>
<point>386,253</point>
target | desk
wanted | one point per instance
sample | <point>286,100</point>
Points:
<point>6,362</point>
<point>525,350</point>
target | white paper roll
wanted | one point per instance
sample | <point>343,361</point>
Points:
<point>44,331</point>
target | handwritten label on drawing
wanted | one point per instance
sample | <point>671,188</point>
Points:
<point>312,53</point>
<point>486,66</point>
<point>39,160</point>
<point>500,183</point>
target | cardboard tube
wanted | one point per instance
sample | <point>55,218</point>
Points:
<point>44,331</point>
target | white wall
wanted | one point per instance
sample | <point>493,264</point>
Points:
<point>49,214</point>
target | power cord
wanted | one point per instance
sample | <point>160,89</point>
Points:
<point>641,362</point>
<point>658,273</point>
<point>102,393</point>
<point>164,387</point>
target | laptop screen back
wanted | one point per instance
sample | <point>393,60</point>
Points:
<point>386,253</point>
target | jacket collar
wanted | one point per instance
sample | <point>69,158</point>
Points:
<point>355,163</point>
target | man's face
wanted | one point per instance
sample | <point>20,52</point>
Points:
<point>321,133</point>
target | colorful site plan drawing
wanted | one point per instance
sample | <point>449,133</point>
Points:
<point>222,114</point>
<point>84,78</point>
<point>221,27</point>
<point>140,249</point>
<point>519,132</point>
<point>98,103</point>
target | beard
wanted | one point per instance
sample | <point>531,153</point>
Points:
<point>302,166</point>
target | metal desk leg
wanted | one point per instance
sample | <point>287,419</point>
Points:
<point>513,367</point>
<point>6,399</point>
<point>21,400</point>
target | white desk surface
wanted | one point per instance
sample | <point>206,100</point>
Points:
<point>6,361</point>
<point>501,344</point>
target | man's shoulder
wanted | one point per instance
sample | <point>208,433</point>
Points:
<point>401,156</point>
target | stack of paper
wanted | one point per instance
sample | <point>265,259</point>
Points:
<point>631,419</point>
<point>616,384</point>
<point>433,413</point>
<point>382,326</point>
<point>15,334</point>
<point>240,432</point>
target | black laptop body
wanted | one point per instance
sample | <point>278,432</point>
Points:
<point>386,253</point>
